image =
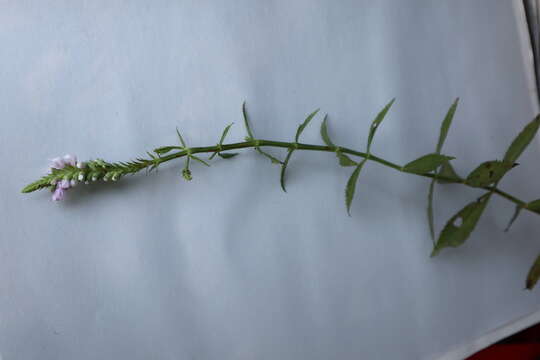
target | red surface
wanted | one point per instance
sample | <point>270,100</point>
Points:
<point>509,352</point>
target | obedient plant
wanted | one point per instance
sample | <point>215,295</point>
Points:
<point>66,172</point>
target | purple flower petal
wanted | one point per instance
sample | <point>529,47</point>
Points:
<point>58,194</point>
<point>57,163</point>
<point>70,159</point>
<point>64,184</point>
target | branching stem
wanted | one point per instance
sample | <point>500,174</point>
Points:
<point>310,147</point>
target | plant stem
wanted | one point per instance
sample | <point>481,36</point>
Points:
<point>310,147</point>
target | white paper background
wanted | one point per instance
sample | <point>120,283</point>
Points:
<point>228,266</point>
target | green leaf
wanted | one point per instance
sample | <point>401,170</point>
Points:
<point>227,155</point>
<point>225,132</point>
<point>445,126</point>
<point>521,142</point>
<point>488,173</point>
<point>165,149</point>
<point>430,209</point>
<point>426,163</point>
<point>180,137</point>
<point>375,124</point>
<point>534,206</point>
<point>324,133</point>
<point>460,226</point>
<point>447,171</point>
<point>534,274</point>
<point>273,159</point>
<point>223,135</point>
<point>351,186</point>
<point>344,160</point>
<point>246,121</point>
<point>199,160</point>
<point>514,217</point>
<point>283,168</point>
<point>304,124</point>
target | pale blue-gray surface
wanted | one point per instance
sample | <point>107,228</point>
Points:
<point>228,266</point>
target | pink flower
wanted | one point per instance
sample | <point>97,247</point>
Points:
<point>63,185</point>
<point>60,162</point>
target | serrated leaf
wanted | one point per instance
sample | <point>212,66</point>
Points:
<point>460,226</point>
<point>514,217</point>
<point>447,171</point>
<point>521,142</point>
<point>534,274</point>
<point>351,186</point>
<point>488,173</point>
<point>246,121</point>
<point>283,168</point>
<point>344,160</point>
<point>324,133</point>
<point>227,155</point>
<point>180,137</point>
<point>199,160</point>
<point>534,206</point>
<point>375,124</point>
<point>426,163</point>
<point>445,126</point>
<point>225,132</point>
<point>165,149</point>
<point>304,124</point>
<point>430,209</point>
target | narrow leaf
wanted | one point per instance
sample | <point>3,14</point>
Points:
<point>283,168</point>
<point>324,133</point>
<point>534,206</point>
<point>165,149</point>
<point>225,133</point>
<point>488,173</point>
<point>351,186</point>
<point>430,209</point>
<point>180,137</point>
<point>344,160</point>
<point>272,158</point>
<point>227,155</point>
<point>460,226</point>
<point>521,142</point>
<point>447,171</point>
<point>445,126</point>
<point>514,217</point>
<point>426,163</point>
<point>534,274</point>
<point>246,121</point>
<point>199,160</point>
<point>375,124</point>
<point>304,124</point>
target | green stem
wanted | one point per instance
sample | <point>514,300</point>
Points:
<point>310,147</point>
